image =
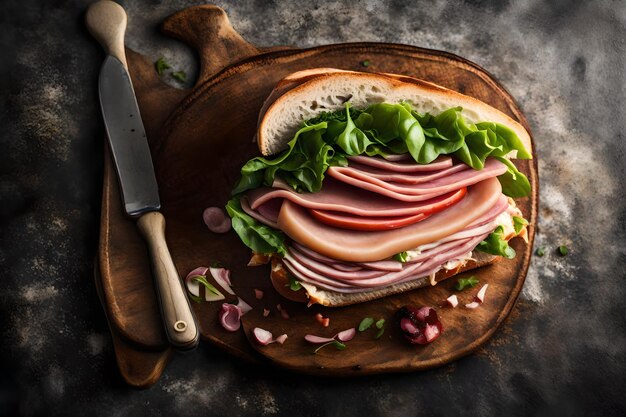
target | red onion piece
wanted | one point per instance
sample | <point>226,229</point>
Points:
<point>192,285</point>
<point>222,277</point>
<point>319,318</point>
<point>420,325</point>
<point>346,335</point>
<point>230,317</point>
<point>473,304</point>
<point>452,301</point>
<point>326,322</point>
<point>407,326</point>
<point>266,312</point>
<point>316,340</point>
<point>481,293</point>
<point>281,339</point>
<point>258,294</point>
<point>243,306</point>
<point>431,332</point>
<point>216,220</point>
<point>262,337</point>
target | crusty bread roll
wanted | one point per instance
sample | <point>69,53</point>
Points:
<point>305,94</point>
<point>313,295</point>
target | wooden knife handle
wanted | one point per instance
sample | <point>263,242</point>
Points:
<point>180,324</point>
<point>106,21</point>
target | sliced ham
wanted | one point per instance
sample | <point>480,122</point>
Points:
<point>330,272</point>
<point>482,225</point>
<point>303,269</point>
<point>384,265</point>
<point>348,221</point>
<point>405,178</point>
<point>418,192</point>
<point>245,206</point>
<point>400,166</point>
<point>341,197</point>
<point>350,246</point>
<point>388,265</point>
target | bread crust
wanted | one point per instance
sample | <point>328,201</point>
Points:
<point>309,293</point>
<point>311,85</point>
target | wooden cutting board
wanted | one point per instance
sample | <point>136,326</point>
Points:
<point>199,140</point>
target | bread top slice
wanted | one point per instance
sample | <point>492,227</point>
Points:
<point>306,94</point>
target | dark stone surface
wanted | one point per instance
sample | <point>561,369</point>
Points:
<point>562,352</point>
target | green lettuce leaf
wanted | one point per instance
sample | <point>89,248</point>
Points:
<point>256,236</point>
<point>383,129</point>
<point>519,223</point>
<point>514,183</point>
<point>463,283</point>
<point>302,165</point>
<point>495,244</point>
<point>401,257</point>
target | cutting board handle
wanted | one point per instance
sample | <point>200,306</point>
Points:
<point>208,30</point>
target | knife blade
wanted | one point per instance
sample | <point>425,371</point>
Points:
<point>106,20</point>
<point>127,138</point>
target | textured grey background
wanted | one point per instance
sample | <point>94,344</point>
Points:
<point>563,350</point>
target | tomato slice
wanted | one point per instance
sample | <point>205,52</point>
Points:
<point>364,223</point>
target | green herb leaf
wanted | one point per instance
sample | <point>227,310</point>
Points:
<point>401,257</point>
<point>380,323</point>
<point>366,323</point>
<point>202,280</point>
<point>253,234</point>
<point>195,298</point>
<point>293,284</point>
<point>160,65</point>
<point>519,223</point>
<point>463,283</point>
<point>541,250</point>
<point>365,63</point>
<point>180,76</point>
<point>495,244</point>
<point>336,343</point>
<point>379,333</point>
<point>563,251</point>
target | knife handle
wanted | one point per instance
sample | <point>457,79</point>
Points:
<point>106,21</point>
<point>180,324</point>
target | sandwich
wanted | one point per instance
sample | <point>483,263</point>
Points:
<point>376,184</point>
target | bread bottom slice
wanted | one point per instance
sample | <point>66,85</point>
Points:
<point>313,295</point>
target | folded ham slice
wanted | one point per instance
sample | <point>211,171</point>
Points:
<point>341,197</point>
<point>398,166</point>
<point>320,270</point>
<point>405,178</point>
<point>418,192</point>
<point>346,245</point>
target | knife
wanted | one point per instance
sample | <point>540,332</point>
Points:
<point>106,21</point>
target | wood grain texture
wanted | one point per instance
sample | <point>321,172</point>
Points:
<point>140,368</point>
<point>198,152</point>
